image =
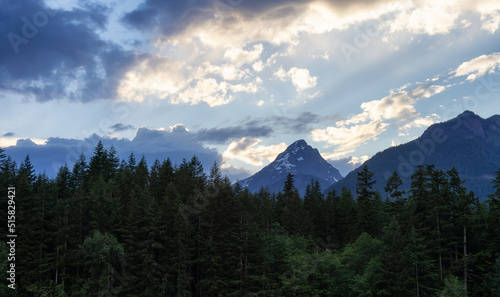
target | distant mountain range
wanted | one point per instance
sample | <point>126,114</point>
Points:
<point>300,159</point>
<point>468,142</point>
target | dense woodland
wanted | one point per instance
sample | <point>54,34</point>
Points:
<point>126,228</point>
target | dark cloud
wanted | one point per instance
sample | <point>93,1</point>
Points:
<point>9,134</point>
<point>242,145</point>
<point>176,145</point>
<point>170,17</point>
<point>167,17</point>
<point>303,123</point>
<point>299,124</point>
<point>222,135</point>
<point>118,127</point>
<point>43,50</point>
<point>25,143</point>
<point>236,173</point>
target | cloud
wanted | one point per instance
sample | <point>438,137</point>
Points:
<point>301,78</point>
<point>9,134</point>
<point>348,134</point>
<point>478,67</point>
<point>236,173</point>
<point>396,106</point>
<point>182,83</point>
<point>153,76</point>
<point>490,15</point>
<point>239,57</point>
<point>222,135</point>
<point>347,139</point>
<point>56,54</point>
<point>119,127</point>
<point>175,143</point>
<point>251,152</point>
<point>301,123</point>
<point>347,164</point>
<point>430,17</point>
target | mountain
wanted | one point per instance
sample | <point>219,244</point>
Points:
<point>300,159</point>
<point>468,142</point>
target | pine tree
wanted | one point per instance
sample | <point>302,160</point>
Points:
<point>329,221</point>
<point>396,260</point>
<point>392,188</point>
<point>313,203</point>
<point>365,200</point>
<point>345,214</point>
<point>494,216</point>
<point>61,215</point>
<point>29,229</point>
<point>462,216</point>
<point>294,218</point>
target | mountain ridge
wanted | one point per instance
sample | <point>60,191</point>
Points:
<point>467,142</point>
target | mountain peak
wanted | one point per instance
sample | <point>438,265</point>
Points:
<point>300,142</point>
<point>467,142</point>
<point>300,159</point>
<point>297,146</point>
<point>467,114</point>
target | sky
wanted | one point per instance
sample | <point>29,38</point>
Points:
<point>237,81</point>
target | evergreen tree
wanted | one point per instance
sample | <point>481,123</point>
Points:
<point>345,216</point>
<point>392,188</point>
<point>294,218</point>
<point>313,203</point>
<point>396,262</point>
<point>365,200</point>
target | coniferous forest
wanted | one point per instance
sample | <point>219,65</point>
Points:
<point>110,227</point>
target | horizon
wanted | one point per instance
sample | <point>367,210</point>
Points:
<point>56,166</point>
<point>236,81</point>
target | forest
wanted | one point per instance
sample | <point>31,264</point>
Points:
<point>111,227</point>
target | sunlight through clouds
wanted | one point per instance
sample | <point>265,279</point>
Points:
<point>251,152</point>
<point>478,67</point>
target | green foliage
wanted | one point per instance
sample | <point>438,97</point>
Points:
<point>111,228</point>
<point>103,258</point>
<point>453,288</point>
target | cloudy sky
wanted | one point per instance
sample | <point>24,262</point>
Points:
<point>236,81</point>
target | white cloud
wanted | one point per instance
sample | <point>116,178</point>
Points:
<point>239,57</point>
<point>347,139</point>
<point>490,14</point>
<point>251,152</point>
<point>478,67</point>
<point>348,134</point>
<point>360,160</point>
<point>301,78</point>
<point>427,16</point>
<point>206,90</point>
<point>156,76</point>
<point>258,66</point>
<point>426,91</point>
<point>418,122</point>
<point>11,141</point>
<point>227,72</point>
